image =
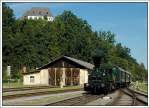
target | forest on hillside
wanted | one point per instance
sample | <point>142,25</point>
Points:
<point>32,43</point>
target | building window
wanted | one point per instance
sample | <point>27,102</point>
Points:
<point>40,18</point>
<point>31,79</point>
<point>33,17</point>
<point>29,17</point>
<point>45,17</point>
<point>37,18</point>
<point>50,18</point>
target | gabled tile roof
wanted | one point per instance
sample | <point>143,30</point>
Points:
<point>36,11</point>
<point>83,63</point>
<point>79,62</point>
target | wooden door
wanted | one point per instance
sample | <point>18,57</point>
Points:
<point>51,76</point>
<point>68,76</point>
<point>58,76</point>
<point>75,76</point>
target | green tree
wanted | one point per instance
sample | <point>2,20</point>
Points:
<point>32,43</point>
<point>8,20</point>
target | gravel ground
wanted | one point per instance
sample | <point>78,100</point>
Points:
<point>26,91</point>
<point>41,100</point>
<point>38,90</point>
<point>104,100</point>
<point>47,99</point>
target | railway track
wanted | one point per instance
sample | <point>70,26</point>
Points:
<point>126,97</point>
<point>36,93</point>
<point>140,97</point>
<point>76,101</point>
<point>129,97</point>
<point>25,88</point>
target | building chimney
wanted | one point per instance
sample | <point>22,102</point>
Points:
<point>24,69</point>
<point>98,58</point>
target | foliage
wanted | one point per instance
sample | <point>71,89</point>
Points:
<point>32,43</point>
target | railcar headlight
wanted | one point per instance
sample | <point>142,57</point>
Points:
<point>102,85</point>
<point>104,74</point>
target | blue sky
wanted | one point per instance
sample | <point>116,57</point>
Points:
<point>127,20</point>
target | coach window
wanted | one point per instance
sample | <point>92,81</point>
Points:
<point>31,79</point>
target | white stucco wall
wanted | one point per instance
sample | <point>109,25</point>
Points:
<point>35,17</point>
<point>26,79</point>
<point>83,76</point>
<point>44,77</point>
<point>40,78</point>
<point>40,17</point>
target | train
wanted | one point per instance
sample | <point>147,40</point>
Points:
<point>104,78</point>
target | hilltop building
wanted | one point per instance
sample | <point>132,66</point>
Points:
<point>63,70</point>
<point>38,13</point>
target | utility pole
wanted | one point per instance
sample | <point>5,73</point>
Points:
<point>9,74</point>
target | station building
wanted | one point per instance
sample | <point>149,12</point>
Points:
<point>63,71</point>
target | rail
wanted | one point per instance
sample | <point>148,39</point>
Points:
<point>76,101</point>
<point>37,93</point>
<point>138,97</point>
<point>25,88</point>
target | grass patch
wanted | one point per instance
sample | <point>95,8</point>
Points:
<point>140,86</point>
<point>13,85</point>
<point>19,85</point>
<point>143,87</point>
